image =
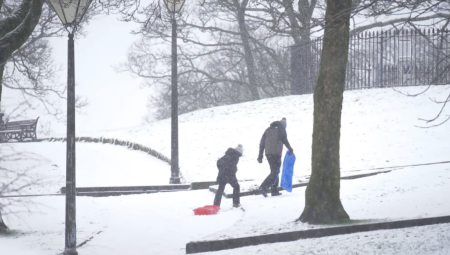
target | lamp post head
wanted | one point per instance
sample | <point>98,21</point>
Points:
<point>70,12</point>
<point>174,6</point>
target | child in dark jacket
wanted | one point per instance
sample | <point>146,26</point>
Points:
<point>227,166</point>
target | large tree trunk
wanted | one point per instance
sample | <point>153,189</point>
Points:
<point>295,26</point>
<point>3,226</point>
<point>9,23</point>
<point>13,37</point>
<point>249,59</point>
<point>15,30</point>
<point>2,68</point>
<point>300,32</point>
<point>322,197</point>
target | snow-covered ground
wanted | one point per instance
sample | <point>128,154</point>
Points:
<point>98,165</point>
<point>377,131</point>
<point>433,239</point>
<point>163,223</point>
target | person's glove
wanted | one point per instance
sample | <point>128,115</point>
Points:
<point>291,151</point>
<point>260,157</point>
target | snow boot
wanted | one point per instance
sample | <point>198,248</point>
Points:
<point>263,191</point>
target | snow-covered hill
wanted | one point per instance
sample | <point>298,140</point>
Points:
<point>379,128</point>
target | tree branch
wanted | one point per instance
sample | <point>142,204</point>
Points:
<point>394,21</point>
<point>10,23</point>
<point>16,38</point>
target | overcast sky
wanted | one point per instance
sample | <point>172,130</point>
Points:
<point>116,100</point>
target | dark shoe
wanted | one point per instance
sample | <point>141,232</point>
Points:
<point>277,194</point>
<point>236,205</point>
<point>263,191</point>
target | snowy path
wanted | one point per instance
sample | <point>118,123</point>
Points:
<point>163,223</point>
<point>137,224</point>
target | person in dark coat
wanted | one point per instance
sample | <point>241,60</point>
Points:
<point>272,143</point>
<point>227,166</point>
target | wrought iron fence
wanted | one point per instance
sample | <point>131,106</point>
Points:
<point>380,59</point>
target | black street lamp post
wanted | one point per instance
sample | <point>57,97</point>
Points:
<point>70,12</point>
<point>174,6</point>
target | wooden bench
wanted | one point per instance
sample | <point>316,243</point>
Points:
<point>19,130</point>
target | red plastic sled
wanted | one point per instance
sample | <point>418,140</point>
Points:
<point>207,210</point>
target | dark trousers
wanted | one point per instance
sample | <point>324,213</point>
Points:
<point>272,179</point>
<point>223,181</point>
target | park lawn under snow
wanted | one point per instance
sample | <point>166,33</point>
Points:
<point>98,165</point>
<point>377,131</point>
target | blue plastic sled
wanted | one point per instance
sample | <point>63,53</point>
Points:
<point>288,171</point>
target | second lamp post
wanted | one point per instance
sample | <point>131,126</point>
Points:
<point>174,6</point>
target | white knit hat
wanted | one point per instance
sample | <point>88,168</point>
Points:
<point>239,149</point>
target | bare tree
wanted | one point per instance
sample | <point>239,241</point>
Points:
<point>227,46</point>
<point>226,55</point>
<point>25,64</point>
<point>322,195</point>
<point>240,8</point>
<point>16,29</point>
<point>29,68</point>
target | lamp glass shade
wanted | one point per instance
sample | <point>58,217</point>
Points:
<point>174,6</point>
<point>70,12</point>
